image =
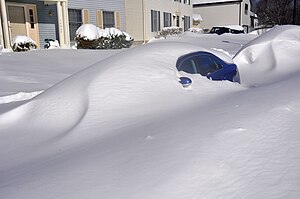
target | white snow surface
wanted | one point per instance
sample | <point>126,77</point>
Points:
<point>20,39</point>
<point>117,124</point>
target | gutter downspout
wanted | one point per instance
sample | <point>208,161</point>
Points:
<point>240,15</point>
<point>144,21</point>
<point>5,25</point>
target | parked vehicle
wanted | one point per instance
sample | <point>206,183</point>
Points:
<point>221,30</point>
<point>208,65</point>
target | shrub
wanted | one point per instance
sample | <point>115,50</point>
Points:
<point>170,31</point>
<point>89,36</point>
<point>23,43</point>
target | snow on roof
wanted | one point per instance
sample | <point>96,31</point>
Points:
<point>197,17</point>
<point>195,2</point>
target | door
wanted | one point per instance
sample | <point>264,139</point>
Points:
<point>16,20</point>
<point>22,20</point>
<point>32,25</point>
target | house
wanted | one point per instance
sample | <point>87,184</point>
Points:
<point>56,19</point>
<point>145,18</point>
<point>223,12</point>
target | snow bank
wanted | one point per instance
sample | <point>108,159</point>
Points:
<point>270,57</point>
<point>21,96</point>
<point>88,32</point>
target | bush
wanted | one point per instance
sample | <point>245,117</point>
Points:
<point>89,36</point>
<point>23,43</point>
<point>170,31</point>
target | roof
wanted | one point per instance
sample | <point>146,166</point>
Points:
<point>197,2</point>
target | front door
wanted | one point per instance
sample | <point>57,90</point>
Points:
<point>22,20</point>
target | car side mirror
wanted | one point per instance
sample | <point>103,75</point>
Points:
<point>185,81</point>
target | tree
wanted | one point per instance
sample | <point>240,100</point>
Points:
<point>275,12</point>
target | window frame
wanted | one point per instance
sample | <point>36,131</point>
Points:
<point>155,21</point>
<point>108,19</point>
<point>74,24</point>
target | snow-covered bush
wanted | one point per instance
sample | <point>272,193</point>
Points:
<point>170,31</point>
<point>88,36</point>
<point>197,30</point>
<point>23,43</point>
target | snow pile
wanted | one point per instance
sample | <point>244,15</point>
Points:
<point>125,128</point>
<point>23,43</point>
<point>88,36</point>
<point>271,57</point>
<point>170,32</point>
<point>87,32</point>
<point>197,30</point>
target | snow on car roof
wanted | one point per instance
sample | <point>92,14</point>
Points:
<point>195,2</point>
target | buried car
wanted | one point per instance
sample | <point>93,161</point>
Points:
<point>207,65</point>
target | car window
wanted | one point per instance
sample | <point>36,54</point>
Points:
<point>203,64</point>
<point>188,66</point>
<point>207,64</point>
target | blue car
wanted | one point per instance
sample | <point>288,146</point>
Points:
<point>208,65</point>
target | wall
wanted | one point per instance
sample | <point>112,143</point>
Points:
<point>135,19</point>
<point>47,24</point>
<point>216,15</point>
<point>169,6</point>
<point>105,5</point>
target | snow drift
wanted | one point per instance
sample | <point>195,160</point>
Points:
<point>271,57</point>
<point>125,128</point>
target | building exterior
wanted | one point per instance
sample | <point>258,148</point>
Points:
<point>56,19</point>
<point>145,18</point>
<point>223,12</point>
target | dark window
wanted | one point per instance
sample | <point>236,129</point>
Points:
<point>108,19</point>
<point>187,23</point>
<point>75,21</point>
<point>167,19</point>
<point>188,66</point>
<point>177,21</point>
<point>31,18</point>
<point>200,64</point>
<point>246,9</point>
<point>155,21</point>
<point>206,64</point>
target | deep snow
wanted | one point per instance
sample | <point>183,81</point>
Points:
<point>125,128</point>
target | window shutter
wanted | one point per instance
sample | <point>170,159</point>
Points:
<point>118,20</point>
<point>85,16</point>
<point>99,16</point>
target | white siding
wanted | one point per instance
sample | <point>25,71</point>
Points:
<point>219,15</point>
<point>139,24</point>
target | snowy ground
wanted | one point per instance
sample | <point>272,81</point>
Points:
<point>117,124</point>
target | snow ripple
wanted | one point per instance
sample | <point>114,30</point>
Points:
<point>21,96</point>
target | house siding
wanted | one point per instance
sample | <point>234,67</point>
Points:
<point>210,13</point>
<point>224,13</point>
<point>92,6</point>
<point>139,26</point>
<point>47,24</point>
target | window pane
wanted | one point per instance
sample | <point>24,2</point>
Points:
<point>188,66</point>
<point>75,21</point>
<point>108,19</point>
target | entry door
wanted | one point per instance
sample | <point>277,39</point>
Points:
<point>32,25</point>
<point>16,20</point>
<point>22,20</point>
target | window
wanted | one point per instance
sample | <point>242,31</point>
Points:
<point>187,23</point>
<point>155,21</point>
<point>31,18</point>
<point>246,9</point>
<point>177,21</point>
<point>75,21</point>
<point>108,19</point>
<point>200,64</point>
<point>167,19</point>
